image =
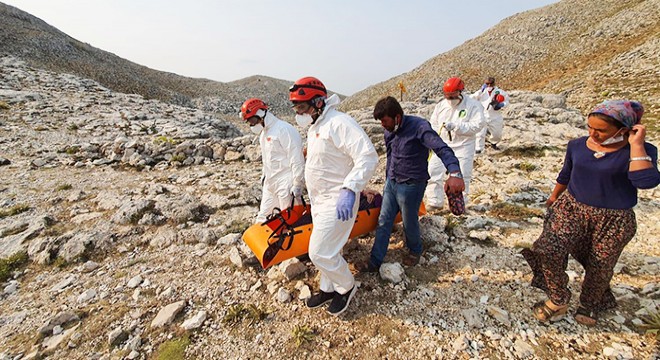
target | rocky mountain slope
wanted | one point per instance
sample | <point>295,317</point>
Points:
<point>590,50</point>
<point>41,45</point>
<point>122,216</point>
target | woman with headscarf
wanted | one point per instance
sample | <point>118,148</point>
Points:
<point>594,220</point>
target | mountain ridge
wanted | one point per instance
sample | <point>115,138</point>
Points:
<point>44,46</point>
<point>551,49</point>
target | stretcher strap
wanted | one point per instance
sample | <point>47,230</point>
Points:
<point>282,232</point>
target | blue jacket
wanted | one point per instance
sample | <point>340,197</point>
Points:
<point>408,151</point>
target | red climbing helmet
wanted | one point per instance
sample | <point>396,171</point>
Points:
<point>251,106</point>
<point>306,89</point>
<point>453,85</point>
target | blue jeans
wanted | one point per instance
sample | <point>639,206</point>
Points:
<point>404,197</point>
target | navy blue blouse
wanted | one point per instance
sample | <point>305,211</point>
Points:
<point>605,182</point>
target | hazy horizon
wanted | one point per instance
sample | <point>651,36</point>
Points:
<point>347,45</point>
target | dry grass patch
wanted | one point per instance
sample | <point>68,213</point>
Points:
<point>508,211</point>
<point>13,210</point>
<point>525,166</point>
<point>14,230</point>
<point>527,151</point>
<point>63,187</point>
<point>11,264</point>
<point>97,321</point>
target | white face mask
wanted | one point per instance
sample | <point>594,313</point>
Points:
<point>613,140</point>
<point>304,120</point>
<point>256,129</point>
<point>454,102</point>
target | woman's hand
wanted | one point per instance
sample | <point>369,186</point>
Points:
<point>551,200</point>
<point>637,134</point>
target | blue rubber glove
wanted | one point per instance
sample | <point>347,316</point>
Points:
<point>483,87</point>
<point>345,204</point>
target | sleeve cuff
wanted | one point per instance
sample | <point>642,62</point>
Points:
<point>453,168</point>
<point>645,178</point>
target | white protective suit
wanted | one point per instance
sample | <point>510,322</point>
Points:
<point>339,155</point>
<point>469,119</point>
<point>494,119</point>
<point>283,164</point>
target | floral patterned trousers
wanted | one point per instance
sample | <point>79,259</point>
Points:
<point>595,237</point>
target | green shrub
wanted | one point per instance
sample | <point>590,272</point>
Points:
<point>652,324</point>
<point>166,140</point>
<point>8,265</point>
<point>239,312</point>
<point>179,158</point>
<point>72,150</point>
<point>302,334</point>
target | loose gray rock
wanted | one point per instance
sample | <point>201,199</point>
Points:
<point>291,268</point>
<point>134,282</point>
<point>499,315</point>
<point>522,349</point>
<point>235,256</point>
<point>116,337</point>
<point>473,318</point>
<point>195,321</point>
<point>167,314</point>
<point>392,272</point>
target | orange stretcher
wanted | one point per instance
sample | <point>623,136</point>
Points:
<point>285,234</point>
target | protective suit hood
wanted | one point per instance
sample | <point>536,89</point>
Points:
<point>269,120</point>
<point>330,104</point>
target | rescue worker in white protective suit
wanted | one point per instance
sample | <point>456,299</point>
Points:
<point>493,99</point>
<point>283,163</point>
<point>340,161</point>
<point>458,119</point>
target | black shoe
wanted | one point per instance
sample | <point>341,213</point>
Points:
<point>340,302</point>
<point>366,267</point>
<point>319,299</point>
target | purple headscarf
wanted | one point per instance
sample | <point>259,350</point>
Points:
<point>626,112</point>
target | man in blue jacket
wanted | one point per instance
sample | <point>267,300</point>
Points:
<point>408,140</point>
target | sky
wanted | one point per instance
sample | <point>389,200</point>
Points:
<point>348,44</point>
